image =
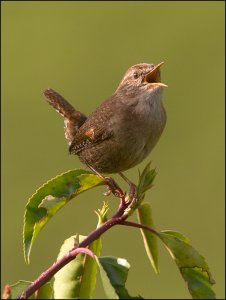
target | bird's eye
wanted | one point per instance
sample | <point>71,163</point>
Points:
<point>135,75</point>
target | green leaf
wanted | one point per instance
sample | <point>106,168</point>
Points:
<point>49,198</point>
<point>198,283</point>
<point>191,264</point>
<point>150,240</point>
<point>146,179</point>
<point>45,292</point>
<point>78,278</point>
<point>102,214</point>
<point>17,289</point>
<point>114,272</point>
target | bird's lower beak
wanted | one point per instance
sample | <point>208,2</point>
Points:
<point>153,77</point>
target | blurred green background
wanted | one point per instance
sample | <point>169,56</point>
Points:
<point>82,49</point>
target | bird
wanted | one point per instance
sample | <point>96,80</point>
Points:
<point>123,129</point>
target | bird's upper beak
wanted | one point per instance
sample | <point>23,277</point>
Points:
<point>153,77</point>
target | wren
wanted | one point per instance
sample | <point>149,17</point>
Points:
<point>123,130</point>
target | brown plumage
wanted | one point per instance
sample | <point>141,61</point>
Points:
<point>123,130</point>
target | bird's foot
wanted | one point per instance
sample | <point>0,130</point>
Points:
<point>112,186</point>
<point>107,192</point>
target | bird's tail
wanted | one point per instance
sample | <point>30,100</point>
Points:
<point>73,119</point>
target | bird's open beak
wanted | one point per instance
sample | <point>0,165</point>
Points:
<point>153,77</point>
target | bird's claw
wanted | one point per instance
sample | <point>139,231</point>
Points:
<point>107,192</point>
<point>112,187</point>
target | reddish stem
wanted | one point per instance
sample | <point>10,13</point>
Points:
<point>138,225</point>
<point>48,274</point>
<point>118,218</point>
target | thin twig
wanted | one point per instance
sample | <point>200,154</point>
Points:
<point>138,225</point>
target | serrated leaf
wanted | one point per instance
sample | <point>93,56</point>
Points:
<point>144,215</point>
<point>16,289</point>
<point>49,198</point>
<point>45,291</point>
<point>114,272</point>
<point>77,279</point>
<point>191,264</point>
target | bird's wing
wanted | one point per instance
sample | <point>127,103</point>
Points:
<point>73,119</point>
<point>97,128</point>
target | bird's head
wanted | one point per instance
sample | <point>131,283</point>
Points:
<point>141,78</point>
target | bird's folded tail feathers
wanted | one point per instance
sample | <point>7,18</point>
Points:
<point>73,119</point>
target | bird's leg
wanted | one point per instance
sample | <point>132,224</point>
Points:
<point>112,185</point>
<point>132,188</point>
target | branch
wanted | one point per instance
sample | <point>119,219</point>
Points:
<point>138,225</point>
<point>117,218</point>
